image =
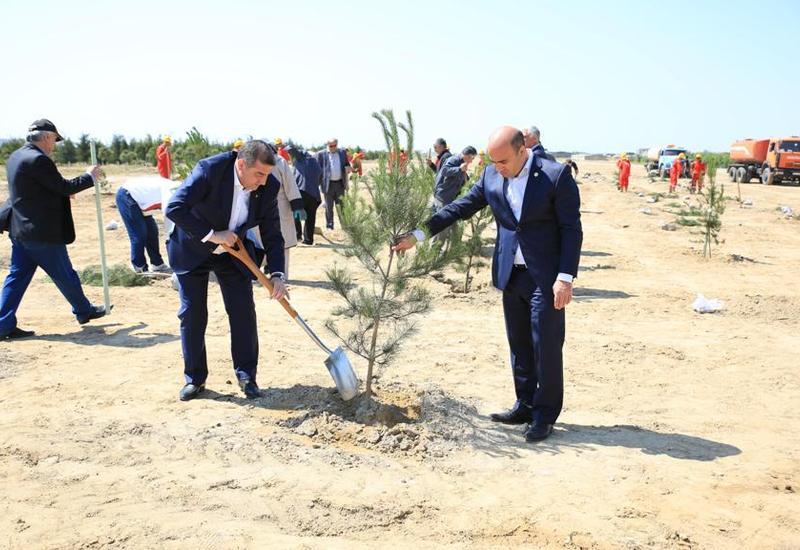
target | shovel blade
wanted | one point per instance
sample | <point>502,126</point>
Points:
<point>343,374</point>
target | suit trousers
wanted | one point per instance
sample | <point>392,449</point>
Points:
<point>142,231</point>
<point>332,196</point>
<point>310,205</point>
<point>535,331</point>
<point>237,294</point>
<point>54,259</point>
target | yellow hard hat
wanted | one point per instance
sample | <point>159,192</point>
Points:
<point>698,155</point>
<point>166,139</point>
<point>278,142</point>
<point>238,143</point>
<point>623,156</point>
<point>682,156</point>
<point>481,152</point>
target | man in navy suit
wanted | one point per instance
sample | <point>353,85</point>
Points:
<point>223,197</point>
<point>537,208</point>
<point>38,218</point>
<point>308,174</point>
<point>335,171</point>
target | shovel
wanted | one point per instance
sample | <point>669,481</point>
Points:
<point>338,365</point>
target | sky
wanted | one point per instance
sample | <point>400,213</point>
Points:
<point>593,76</point>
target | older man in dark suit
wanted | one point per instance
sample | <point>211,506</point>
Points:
<point>224,197</point>
<point>38,218</point>
<point>537,208</point>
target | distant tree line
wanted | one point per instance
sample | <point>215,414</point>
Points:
<point>121,150</point>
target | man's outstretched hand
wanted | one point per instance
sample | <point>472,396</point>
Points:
<point>405,242</point>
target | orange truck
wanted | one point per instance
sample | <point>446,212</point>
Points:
<point>773,160</point>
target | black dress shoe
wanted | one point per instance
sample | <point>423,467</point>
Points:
<point>190,391</point>
<point>518,414</point>
<point>95,313</point>
<point>17,333</point>
<point>250,389</point>
<point>538,431</point>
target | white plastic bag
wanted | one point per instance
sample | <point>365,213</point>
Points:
<point>702,304</point>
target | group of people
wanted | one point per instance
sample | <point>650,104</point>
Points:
<point>677,168</point>
<point>233,199</point>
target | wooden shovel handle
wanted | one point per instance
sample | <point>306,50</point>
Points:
<point>238,251</point>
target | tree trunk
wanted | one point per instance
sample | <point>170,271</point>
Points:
<point>377,320</point>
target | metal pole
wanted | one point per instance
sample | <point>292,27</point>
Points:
<point>101,232</point>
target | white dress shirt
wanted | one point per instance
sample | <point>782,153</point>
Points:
<point>240,207</point>
<point>336,165</point>
<point>515,194</point>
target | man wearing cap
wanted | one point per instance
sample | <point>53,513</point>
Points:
<point>442,154</point>
<point>335,170</point>
<point>533,142</point>
<point>39,223</point>
<point>536,205</point>
<point>164,158</point>
<point>224,197</point>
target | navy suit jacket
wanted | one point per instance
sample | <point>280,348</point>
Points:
<point>38,207</point>
<point>308,174</point>
<point>204,201</point>
<point>548,231</point>
<point>325,163</point>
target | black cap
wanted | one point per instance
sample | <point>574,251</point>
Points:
<point>44,125</point>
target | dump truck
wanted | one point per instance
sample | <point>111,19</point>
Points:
<point>769,161</point>
<point>659,160</point>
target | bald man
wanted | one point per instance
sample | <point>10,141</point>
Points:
<point>536,205</point>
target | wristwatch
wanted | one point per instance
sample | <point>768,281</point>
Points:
<point>279,275</point>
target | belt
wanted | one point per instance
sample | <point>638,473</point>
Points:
<point>521,267</point>
<point>334,181</point>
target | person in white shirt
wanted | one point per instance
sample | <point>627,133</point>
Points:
<point>137,199</point>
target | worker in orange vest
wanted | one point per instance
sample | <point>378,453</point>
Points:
<point>282,150</point>
<point>675,171</point>
<point>356,161</point>
<point>164,158</point>
<point>698,171</point>
<point>624,167</point>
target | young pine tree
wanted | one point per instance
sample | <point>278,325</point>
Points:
<point>376,210</point>
<point>714,198</point>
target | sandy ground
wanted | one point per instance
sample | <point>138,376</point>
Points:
<point>680,430</point>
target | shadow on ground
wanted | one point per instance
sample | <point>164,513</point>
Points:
<point>100,335</point>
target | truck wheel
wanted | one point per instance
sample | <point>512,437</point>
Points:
<point>662,173</point>
<point>732,173</point>
<point>767,176</point>
<point>740,172</point>
<point>748,175</point>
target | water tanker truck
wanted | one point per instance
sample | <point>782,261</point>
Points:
<point>774,160</point>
